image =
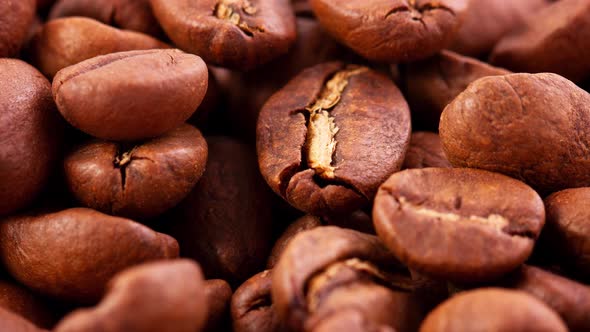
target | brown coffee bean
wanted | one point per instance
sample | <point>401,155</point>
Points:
<point>350,320</point>
<point>73,253</point>
<point>252,309</point>
<point>138,181</point>
<point>425,151</point>
<point>139,94</point>
<point>30,134</point>
<point>347,269</point>
<point>331,136</point>
<point>11,322</point>
<point>240,34</point>
<point>532,127</point>
<point>133,15</point>
<point>218,293</point>
<point>14,24</point>
<point>485,22</point>
<point>391,31</point>
<point>568,228</point>
<point>23,302</point>
<point>225,222</point>
<point>571,300</point>
<point>68,41</point>
<point>493,309</point>
<point>164,296</point>
<point>302,224</point>
<point>464,225</point>
<point>430,85</point>
<point>562,47</point>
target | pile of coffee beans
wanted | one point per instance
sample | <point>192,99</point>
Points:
<point>294,165</point>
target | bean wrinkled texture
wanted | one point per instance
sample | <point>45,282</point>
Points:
<point>294,165</point>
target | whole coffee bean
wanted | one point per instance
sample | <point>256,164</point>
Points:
<point>302,224</point>
<point>425,151</point>
<point>463,225</point>
<point>562,47</point>
<point>11,322</point>
<point>486,22</point>
<point>571,300</point>
<point>391,31</point>
<point>30,134</point>
<point>331,136</point>
<point>67,41</point>
<point>225,222</point>
<point>218,293</point>
<point>23,302</point>
<point>493,309</point>
<point>240,34</point>
<point>133,15</point>
<point>72,254</point>
<point>348,269</point>
<point>138,181</point>
<point>532,127</point>
<point>430,85</point>
<point>252,309</point>
<point>568,229</point>
<point>139,94</point>
<point>159,297</point>
<point>14,24</point>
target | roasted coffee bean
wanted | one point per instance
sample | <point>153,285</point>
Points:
<point>464,225</point>
<point>391,31</point>
<point>72,254</point>
<point>533,127</point>
<point>331,136</point>
<point>138,181</point>
<point>11,322</point>
<point>562,47</point>
<point>430,85</point>
<point>218,293</point>
<point>140,94</point>
<point>252,309</point>
<point>302,224</point>
<point>159,297</point>
<point>350,320</point>
<point>425,151</point>
<point>225,222</point>
<point>493,309</point>
<point>240,34</point>
<point>485,22</point>
<point>568,228</point>
<point>15,18</point>
<point>23,302</point>
<point>133,15</point>
<point>570,299</point>
<point>68,41</point>
<point>348,269</point>
<point>30,134</point>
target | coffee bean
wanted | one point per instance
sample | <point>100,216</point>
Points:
<point>218,293</point>
<point>72,254</point>
<point>425,151</point>
<point>431,84</point>
<point>14,24</point>
<point>561,47</point>
<point>532,127</point>
<point>68,41</point>
<point>23,302</point>
<point>252,308</point>
<point>30,130</point>
<point>240,34</point>
<point>138,181</point>
<point>329,138</point>
<point>140,94</point>
<point>15,323</point>
<point>568,229</point>
<point>154,297</point>
<point>493,309</point>
<point>463,225</point>
<point>391,31</point>
<point>225,222</point>
<point>133,15</point>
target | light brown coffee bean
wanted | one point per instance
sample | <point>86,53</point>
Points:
<point>15,18</point>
